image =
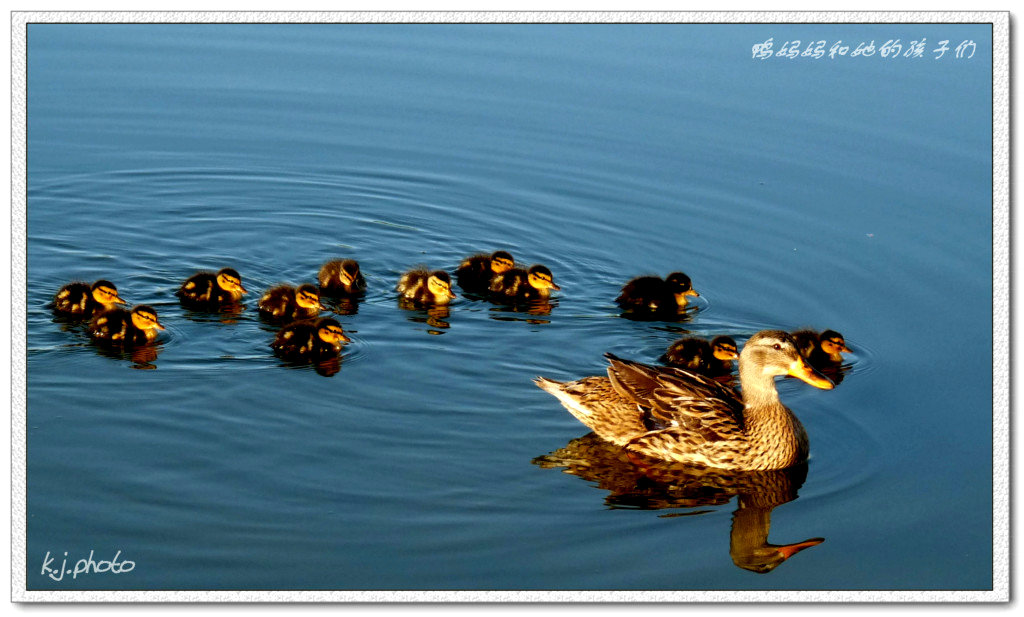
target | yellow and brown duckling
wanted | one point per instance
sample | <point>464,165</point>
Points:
<point>285,303</point>
<point>425,287</point>
<point>211,290</point>
<point>82,300</point>
<point>675,415</point>
<point>652,294</point>
<point>310,340</point>
<point>697,355</point>
<point>474,274</point>
<point>519,285</point>
<point>341,277</point>
<point>129,329</point>
<point>824,350</point>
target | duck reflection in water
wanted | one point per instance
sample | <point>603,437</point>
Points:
<point>537,307</point>
<point>639,482</point>
<point>436,316</point>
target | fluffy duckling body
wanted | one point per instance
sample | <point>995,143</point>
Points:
<point>474,274</point>
<point>518,285</point>
<point>425,287</point>
<point>341,277</point>
<point>129,329</point>
<point>697,355</point>
<point>286,303</point>
<point>679,416</point>
<point>824,350</point>
<point>211,290</point>
<point>651,294</point>
<point>82,300</point>
<point>310,340</point>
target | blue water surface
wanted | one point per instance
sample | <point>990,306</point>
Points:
<point>846,192</point>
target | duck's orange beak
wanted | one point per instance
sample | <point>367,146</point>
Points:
<point>788,550</point>
<point>691,292</point>
<point>119,300</point>
<point>802,371</point>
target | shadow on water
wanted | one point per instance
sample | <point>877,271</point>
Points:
<point>435,316</point>
<point>142,357</point>
<point>645,484</point>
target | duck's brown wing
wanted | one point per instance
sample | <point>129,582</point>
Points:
<point>670,397</point>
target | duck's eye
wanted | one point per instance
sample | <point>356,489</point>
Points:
<point>777,346</point>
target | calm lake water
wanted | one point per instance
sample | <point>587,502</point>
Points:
<point>851,193</point>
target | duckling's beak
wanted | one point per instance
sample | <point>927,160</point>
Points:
<point>844,349</point>
<point>555,287</point>
<point>451,294</point>
<point>691,292</point>
<point>802,371</point>
<point>242,289</point>
<point>344,339</point>
<point>158,325</point>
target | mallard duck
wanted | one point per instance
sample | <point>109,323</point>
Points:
<point>341,277</point>
<point>474,274</point>
<point>81,300</point>
<point>211,290</point>
<point>824,350</point>
<point>287,303</point>
<point>120,327</point>
<point>425,287</point>
<point>518,285</point>
<point>697,355</point>
<point>676,415</point>
<point>310,339</point>
<point>651,294</point>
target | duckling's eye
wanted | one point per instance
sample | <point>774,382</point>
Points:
<point>776,346</point>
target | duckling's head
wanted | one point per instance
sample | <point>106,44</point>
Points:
<point>348,272</point>
<point>105,293</point>
<point>833,343</point>
<point>724,348</point>
<point>329,331</point>
<point>773,352</point>
<point>144,318</point>
<point>440,286</point>
<point>540,277</point>
<point>681,287</point>
<point>501,261</point>
<point>229,280</point>
<point>308,297</point>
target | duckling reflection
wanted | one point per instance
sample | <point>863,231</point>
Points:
<point>638,482</point>
<point>142,357</point>
<point>435,316</point>
<point>538,307</point>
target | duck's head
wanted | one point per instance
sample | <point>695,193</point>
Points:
<point>681,286</point>
<point>348,272</point>
<point>833,343</point>
<point>773,352</point>
<point>724,348</point>
<point>440,285</point>
<point>501,261</point>
<point>308,297</point>
<point>329,331</point>
<point>105,293</point>
<point>540,277</point>
<point>144,318</point>
<point>229,280</point>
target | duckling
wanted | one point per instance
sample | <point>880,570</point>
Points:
<point>697,355</point>
<point>206,289</point>
<point>651,294</point>
<point>341,277</point>
<point>286,303</point>
<point>120,327</point>
<point>518,285</point>
<point>310,339</point>
<point>474,274</point>
<point>425,287</point>
<point>823,350</point>
<point>78,299</point>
